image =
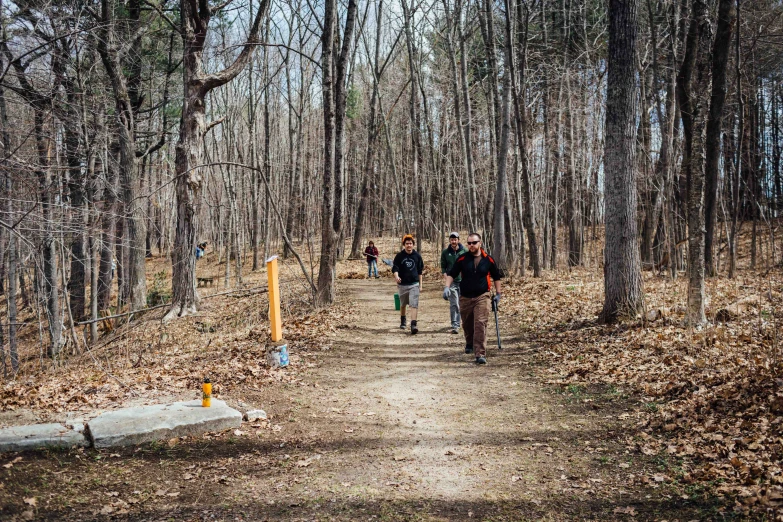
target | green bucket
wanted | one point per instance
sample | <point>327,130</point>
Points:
<point>396,301</point>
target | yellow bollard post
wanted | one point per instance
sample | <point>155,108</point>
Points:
<point>275,321</point>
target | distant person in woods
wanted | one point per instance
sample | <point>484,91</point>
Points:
<point>408,267</point>
<point>447,259</point>
<point>371,253</point>
<point>476,267</point>
<point>200,248</point>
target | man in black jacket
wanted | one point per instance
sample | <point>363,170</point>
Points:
<point>476,268</point>
<point>408,267</point>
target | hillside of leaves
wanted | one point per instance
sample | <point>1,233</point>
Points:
<point>710,400</point>
<point>146,361</point>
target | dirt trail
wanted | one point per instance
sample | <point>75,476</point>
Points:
<point>382,426</point>
<point>419,431</point>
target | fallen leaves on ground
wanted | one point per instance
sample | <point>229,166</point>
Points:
<point>146,359</point>
<point>711,398</point>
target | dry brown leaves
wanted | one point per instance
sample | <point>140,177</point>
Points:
<point>152,362</point>
<point>711,398</point>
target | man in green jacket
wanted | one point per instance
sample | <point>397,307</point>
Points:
<point>447,259</point>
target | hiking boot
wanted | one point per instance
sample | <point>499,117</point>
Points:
<point>468,348</point>
<point>403,323</point>
<point>455,329</point>
<point>414,328</point>
<point>481,360</point>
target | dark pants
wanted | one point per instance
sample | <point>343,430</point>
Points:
<point>475,316</point>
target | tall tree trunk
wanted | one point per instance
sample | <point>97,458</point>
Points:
<point>693,113</point>
<point>11,291</point>
<point>501,183</point>
<point>573,185</point>
<point>459,84</point>
<point>76,282</point>
<point>328,236</point>
<point>108,232</point>
<point>126,98</point>
<point>49,275</point>
<point>42,105</point>
<point>372,140</point>
<point>414,110</point>
<point>622,269</point>
<point>194,26</point>
<point>720,60</point>
<point>333,71</point>
<point>520,118</point>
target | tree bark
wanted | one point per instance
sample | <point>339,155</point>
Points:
<point>572,186</point>
<point>333,70</point>
<point>693,116</point>
<point>622,270</point>
<point>520,119</point>
<point>41,105</point>
<point>11,291</point>
<point>194,26</point>
<point>720,59</point>
<point>372,140</point>
<point>501,182</point>
<point>126,98</point>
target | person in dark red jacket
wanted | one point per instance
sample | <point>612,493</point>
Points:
<point>478,270</point>
<point>371,253</point>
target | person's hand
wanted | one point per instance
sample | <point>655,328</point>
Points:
<point>496,299</point>
<point>446,293</point>
<point>397,278</point>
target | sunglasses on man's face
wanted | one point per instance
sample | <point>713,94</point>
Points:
<point>474,242</point>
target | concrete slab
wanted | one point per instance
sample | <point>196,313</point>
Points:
<point>37,436</point>
<point>131,426</point>
<point>254,415</point>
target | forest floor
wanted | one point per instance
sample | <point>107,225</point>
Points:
<point>570,421</point>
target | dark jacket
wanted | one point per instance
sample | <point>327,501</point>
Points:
<point>448,257</point>
<point>408,266</point>
<point>371,251</point>
<point>475,278</point>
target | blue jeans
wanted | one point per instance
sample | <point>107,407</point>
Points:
<point>372,266</point>
<point>454,305</point>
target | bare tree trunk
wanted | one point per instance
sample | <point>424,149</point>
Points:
<point>520,117</point>
<point>40,105</point>
<point>462,111</point>
<point>372,139</point>
<point>108,232</point>
<point>333,71</point>
<point>125,94</point>
<point>76,282</point>
<point>414,111</point>
<point>692,111</point>
<point>572,183</point>
<point>11,291</point>
<point>622,269</point>
<point>49,275</point>
<point>328,235</point>
<point>499,215</point>
<point>189,149</point>
<point>720,59</point>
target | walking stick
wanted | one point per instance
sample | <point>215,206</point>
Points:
<point>497,325</point>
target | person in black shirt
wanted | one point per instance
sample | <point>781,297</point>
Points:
<point>408,267</point>
<point>476,268</point>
